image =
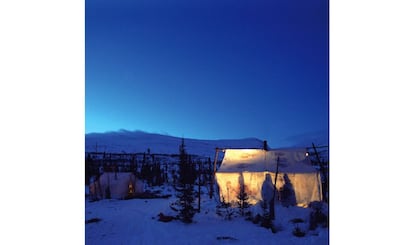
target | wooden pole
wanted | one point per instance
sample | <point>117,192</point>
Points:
<point>317,155</point>
<point>323,170</point>
<point>272,203</point>
<point>199,186</point>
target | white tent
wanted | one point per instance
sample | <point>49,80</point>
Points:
<point>116,185</point>
<point>298,182</point>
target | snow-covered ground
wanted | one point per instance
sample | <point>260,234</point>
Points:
<point>135,221</point>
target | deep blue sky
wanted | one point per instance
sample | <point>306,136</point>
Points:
<point>209,69</point>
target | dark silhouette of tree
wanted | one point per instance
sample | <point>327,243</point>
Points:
<point>133,166</point>
<point>146,172</point>
<point>187,171</point>
<point>242,197</point>
<point>187,176</point>
<point>89,171</point>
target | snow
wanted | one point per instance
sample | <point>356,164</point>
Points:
<point>135,221</point>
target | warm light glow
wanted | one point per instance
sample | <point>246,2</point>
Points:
<point>307,154</point>
<point>131,188</point>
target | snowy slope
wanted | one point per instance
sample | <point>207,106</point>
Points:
<point>138,142</point>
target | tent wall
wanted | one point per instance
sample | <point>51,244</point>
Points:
<point>307,187</point>
<point>298,182</point>
<point>257,160</point>
<point>118,183</point>
<point>304,187</point>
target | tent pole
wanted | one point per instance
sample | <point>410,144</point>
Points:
<point>272,203</point>
<point>323,171</point>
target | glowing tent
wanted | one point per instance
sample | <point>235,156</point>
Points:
<point>298,182</point>
<point>115,185</point>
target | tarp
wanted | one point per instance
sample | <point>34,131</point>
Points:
<point>257,160</point>
<point>298,182</point>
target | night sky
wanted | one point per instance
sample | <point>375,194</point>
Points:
<point>209,69</point>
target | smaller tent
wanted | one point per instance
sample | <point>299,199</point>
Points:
<point>298,182</point>
<point>115,185</point>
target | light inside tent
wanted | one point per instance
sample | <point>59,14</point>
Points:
<point>297,182</point>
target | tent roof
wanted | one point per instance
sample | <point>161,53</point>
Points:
<point>291,160</point>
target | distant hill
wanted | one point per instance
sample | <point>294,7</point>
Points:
<point>139,141</point>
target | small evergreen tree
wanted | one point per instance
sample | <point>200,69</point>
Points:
<point>187,177</point>
<point>89,170</point>
<point>186,200</point>
<point>187,171</point>
<point>266,219</point>
<point>146,172</point>
<point>242,197</point>
<point>107,193</point>
<point>225,209</point>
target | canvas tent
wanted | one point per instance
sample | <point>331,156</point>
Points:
<point>118,185</point>
<point>298,182</point>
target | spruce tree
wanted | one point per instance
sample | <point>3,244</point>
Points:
<point>242,197</point>
<point>266,221</point>
<point>187,177</point>
<point>89,171</point>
